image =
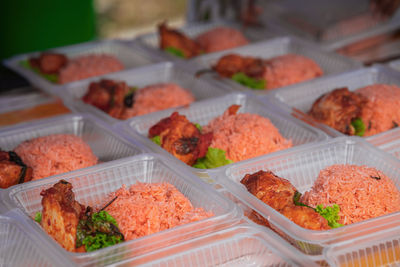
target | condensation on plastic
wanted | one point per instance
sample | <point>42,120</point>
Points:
<point>382,249</point>
<point>19,247</point>
<point>301,167</point>
<point>166,72</point>
<point>204,111</point>
<point>150,42</point>
<point>243,245</point>
<point>329,62</point>
<point>105,143</point>
<point>128,55</point>
<point>92,185</point>
<point>298,99</point>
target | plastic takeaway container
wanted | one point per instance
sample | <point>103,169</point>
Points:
<point>166,72</point>
<point>127,55</point>
<point>329,62</point>
<point>19,245</point>
<point>92,186</point>
<point>301,167</point>
<point>106,144</point>
<point>395,64</point>
<point>388,141</point>
<point>381,249</point>
<point>203,112</point>
<point>298,100</point>
<point>150,41</point>
<point>243,245</point>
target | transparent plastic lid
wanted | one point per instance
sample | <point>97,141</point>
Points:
<point>329,62</point>
<point>166,72</point>
<point>395,64</point>
<point>105,143</point>
<point>298,99</point>
<point>150,41</point>
<point>127,55</point>
<point>382,249</point>
<point>242,245</point>
<point>203,112</point>
<point>301,167</point>
<point>19,246</point>
<point>94,184</point>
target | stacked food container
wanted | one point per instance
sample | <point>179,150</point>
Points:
<point>127,156</point>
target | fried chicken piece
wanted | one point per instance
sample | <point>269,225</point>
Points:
<point>12,170</point>
<point>109,96</point>
<point>49,63</point>
<point>338,108</point>
<point>181,138</point>
<point>270,189</point>
<point>305,217</point>
<point>61,214</point>
<point>176,39</point>
<point>231,64</point>
<point>278,193</point>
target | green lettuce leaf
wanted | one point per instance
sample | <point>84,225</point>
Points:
<point>359,126</point>
<point>331,214</point>
<point>50,77</point>
<point>245,80</point>
<point>214,158</point>
<point>198,126</point>
<point>175,51</point>
<point>156,139</point>
<point>38,217</point>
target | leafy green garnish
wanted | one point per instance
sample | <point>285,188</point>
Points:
<point>50,77</point>
<point>359,126</point>
<point>175,51</point>
<point>198,126</point>
<point>38,217</point>
<point>331,214</point>
<point>296,200</point>
<point>156,139</point>
<point>214,158</point>
<point>99,230</point>
<point>245,80</point>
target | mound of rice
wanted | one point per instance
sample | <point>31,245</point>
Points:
<point>88,66</point>
<point>244,136</point>
<point>221,38</point>
<point>158,97</point>
<point>147,208</point>
<point>290,69</point>
<point>361,192</point>
<point>382,112</point>
<point>55,154</point>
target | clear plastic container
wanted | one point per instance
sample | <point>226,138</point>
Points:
<point>150,42</point>
<point>388,141</point>
<point>130,57</point>
<point>301,167</point>
<point>106,144</point>
<point>381,249</point>
<point>203,112</point>
<point>166,72</point>
<point>93,184</point>
<point>298,99</point>
<point>395,64</point>
<point>244,245</point>
<point>330,62</point>
<point>333,24</point>
<point>19,246</point>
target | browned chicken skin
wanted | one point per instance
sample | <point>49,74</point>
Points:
<point>231,64</point>
<point>12,170</point>
<point>173,38</point>
<point>49,63</point>
<point>113,97</point>
<point>181,138</point>
<point>338,108</point>
<point>61,214</point>
<point>278,193</point>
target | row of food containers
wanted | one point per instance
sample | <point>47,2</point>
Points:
<point>128,156</point>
